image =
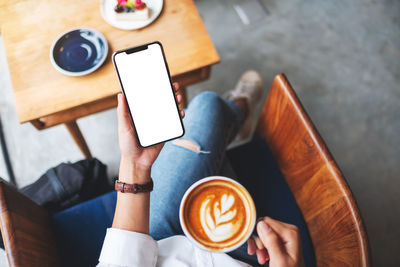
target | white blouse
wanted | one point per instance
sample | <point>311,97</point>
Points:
<point>126,248</point>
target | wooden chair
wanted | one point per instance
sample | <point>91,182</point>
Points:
<point>26,230</point>
<point>320,190</point>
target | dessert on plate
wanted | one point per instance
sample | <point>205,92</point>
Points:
<point>128,10</point>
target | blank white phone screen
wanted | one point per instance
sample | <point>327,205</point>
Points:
<point>149,95</point>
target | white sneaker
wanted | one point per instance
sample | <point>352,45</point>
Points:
<point>249,87</point>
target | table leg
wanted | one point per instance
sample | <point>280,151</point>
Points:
<point>76,133</point>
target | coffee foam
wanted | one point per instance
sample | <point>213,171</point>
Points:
<point>218,214</point>
<point>219,218</point>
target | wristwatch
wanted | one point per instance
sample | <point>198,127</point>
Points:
<point>134,188</point>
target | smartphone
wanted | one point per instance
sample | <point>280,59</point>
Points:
<point>146,83</point>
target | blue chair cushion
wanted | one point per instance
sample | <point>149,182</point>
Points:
<point>80,230</point>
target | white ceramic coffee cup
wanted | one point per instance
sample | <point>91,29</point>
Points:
<point>252,212</point>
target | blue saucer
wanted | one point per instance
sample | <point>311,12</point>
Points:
<point>79,51</point>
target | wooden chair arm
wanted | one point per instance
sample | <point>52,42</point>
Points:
<point>324,198</point>
<point>26,230</point>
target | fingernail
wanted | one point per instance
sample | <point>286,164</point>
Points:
<point>263,228</point>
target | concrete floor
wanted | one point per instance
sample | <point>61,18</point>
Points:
<point>342,58</point>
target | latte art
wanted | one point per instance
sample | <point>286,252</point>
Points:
<point>218,216</point>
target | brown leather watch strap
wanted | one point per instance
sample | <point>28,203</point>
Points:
<point>134,188</point>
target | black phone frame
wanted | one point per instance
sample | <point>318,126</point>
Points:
<point>137,49</point>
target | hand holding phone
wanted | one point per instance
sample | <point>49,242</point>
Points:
<point>150,99</point>
<point>130,150</point>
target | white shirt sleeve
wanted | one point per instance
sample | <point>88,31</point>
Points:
<point>127,248</point>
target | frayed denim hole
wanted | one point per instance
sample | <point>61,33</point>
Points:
<point>190,145</point>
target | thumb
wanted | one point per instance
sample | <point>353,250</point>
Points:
<point>121,108</point>
<point>270,240</point>
<point>122,111</point>
<point>124,120</point>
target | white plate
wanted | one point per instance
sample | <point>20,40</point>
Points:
<point>107,11</point>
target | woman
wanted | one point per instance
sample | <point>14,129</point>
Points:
<point>210,123</point>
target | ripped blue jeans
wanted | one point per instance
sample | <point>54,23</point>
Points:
<point>210,124</point>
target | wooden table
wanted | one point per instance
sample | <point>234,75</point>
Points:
<point>46,97</point>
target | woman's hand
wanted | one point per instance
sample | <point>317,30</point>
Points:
<point>278,242</point>
<point>141,159</point>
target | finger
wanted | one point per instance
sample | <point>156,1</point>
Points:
<point>179,98</point>
<point>262,256</point>
<point>270,239</point>
<point>288,233</point>
<point>267,254</point>
<point>182,112</point>
<point>251,246</point>
<point>278,226</point>
<point>176,86</point>
<point>258,242</point>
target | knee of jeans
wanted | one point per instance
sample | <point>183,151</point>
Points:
<point>190,145</point>
<point>207,98</point>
